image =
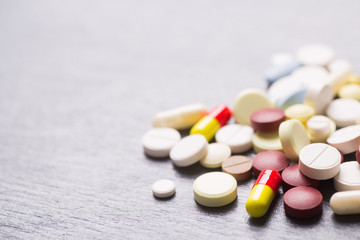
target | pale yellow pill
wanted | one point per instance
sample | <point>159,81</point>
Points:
<point>300,112</point>
<point>351,90</point>
<point>217,153</point>
<point>215,189</point>
<point>266,141</point>
<point>293,137</point>
<point>247,102</point>
<point>353,78</point>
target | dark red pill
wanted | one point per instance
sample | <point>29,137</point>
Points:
<point>358,155</point>
<point>269,160</point>
<point>267,119</point>
<point>303,202</point>
<point>292,177</point>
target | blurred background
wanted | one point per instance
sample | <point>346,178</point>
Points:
<point>81,80</point>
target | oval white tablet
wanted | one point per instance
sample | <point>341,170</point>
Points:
<point>347,202</point>
<point>215,189</point>
<point>349,177</point>
<point>318,95</point>
<point>237,137</point>
<point>216,154</point>
<point>319,161</point>
<point>344,111</point>
<point>181,117</point>
<point>158,142</point>
<point>315,54</point>
<point>346,139</point>
<point>189,150</point>
<point>163,188</point>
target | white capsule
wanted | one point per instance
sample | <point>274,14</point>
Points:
<point>347,202</point>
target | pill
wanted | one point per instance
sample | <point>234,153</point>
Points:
<point>307,75</point>
<point>318,125</point>
<point>279,71</point>
<point>267,119</point>
<point>269,160</point>
<point>281,58</point>
<point>315,55</point>
<point>346,202</point>
<point>292,177</point>
<point>293,137</point>
<point>346,139</point>
<point>180,118</point>
<point>263,192</point>
<point>216,154</point>
<point>158,142</point>
<point>292,98</point>
<point>318,96</point>
<point>353,78</point>
<point>263,141</point>
<point>209,124</point>
<point>237,137</point>
<point>238,166</point>
<point>319,161</point>
<point>303,202</point>
<point>189,150</point>
<point>358,119</point>
<point>350,91</point>
<point>357,155</point>
<point>163,188</point>
<point>247,102</point>
<point>348,177</point>
<point>215,189</point>
<point>295,92</point>
<point>340,70</point>
<point>344,111</point>
<point>300,112</point>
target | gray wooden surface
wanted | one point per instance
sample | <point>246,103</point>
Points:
<point>80,81</point>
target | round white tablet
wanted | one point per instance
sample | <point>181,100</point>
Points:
<point>163,188</point>
<point>216,154</point>
<point>158,142</point>
<point>189,150</point>
<point>346,139</point>
<point>247,102</point>
<point>215,189</point>
<point>344,111</point>
<point>349,177</point>
<point>276,92</point>
<point>237,137</point>
<point>319,161</point>
<point>318,96</point>
<point>319,125</point>
<point>281,58</point>
<point>315,54</point>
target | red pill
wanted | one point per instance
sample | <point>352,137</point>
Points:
<point>303,202</point>
<point>269,160</point>
<point>267,119</point>
<point>292,177</point>
<point>358,155</point>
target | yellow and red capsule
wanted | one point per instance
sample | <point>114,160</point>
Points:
<point>209,124</point>
<point>263,192</point>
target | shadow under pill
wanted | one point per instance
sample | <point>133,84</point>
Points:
<point>156,159</point>
<point>304,222</point>
<point>218,210</point>
<point>262,221</point>
<point>192,171</point>
<point>346,219</point>
<point>165,199</point>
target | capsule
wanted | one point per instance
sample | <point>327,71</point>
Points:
<point>263,192</point>
<point>209,124</point>
<point>346,202</point>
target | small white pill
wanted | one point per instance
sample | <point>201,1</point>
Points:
<point>315,55</point>
<point>319,161</point>
<point>346,139</point>
<point>189,150</point>
<point>237,137</point>
<point>318,125</point>
<point>163,188</point>
<point>349,177</point>
<point>158,142</point>
<point>217,153</point>
<point>345,203</point>
<point>344,111</point>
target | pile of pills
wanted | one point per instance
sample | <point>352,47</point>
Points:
<point>299,129</point>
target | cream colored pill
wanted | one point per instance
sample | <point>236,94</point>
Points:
<point>300,112</point>
<point>181,117</point>
<point>346,203</point>
<point>189,150</point>
<point>315,55</point>
<point>247,102</point>
<point>319,161</point>
<point>237,137</point>
<point>263,141</point>
<point>215,189</point>
<point>158,142</point>
<point>349,177</point>
<point>346,139</point>
<point>216,154</point>
<point>344,111</point>
<point>293,137</point>
<point>350,91</point>
<point>163,188</point>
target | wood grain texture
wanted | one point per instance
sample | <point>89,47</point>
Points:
<point>80,81</point>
